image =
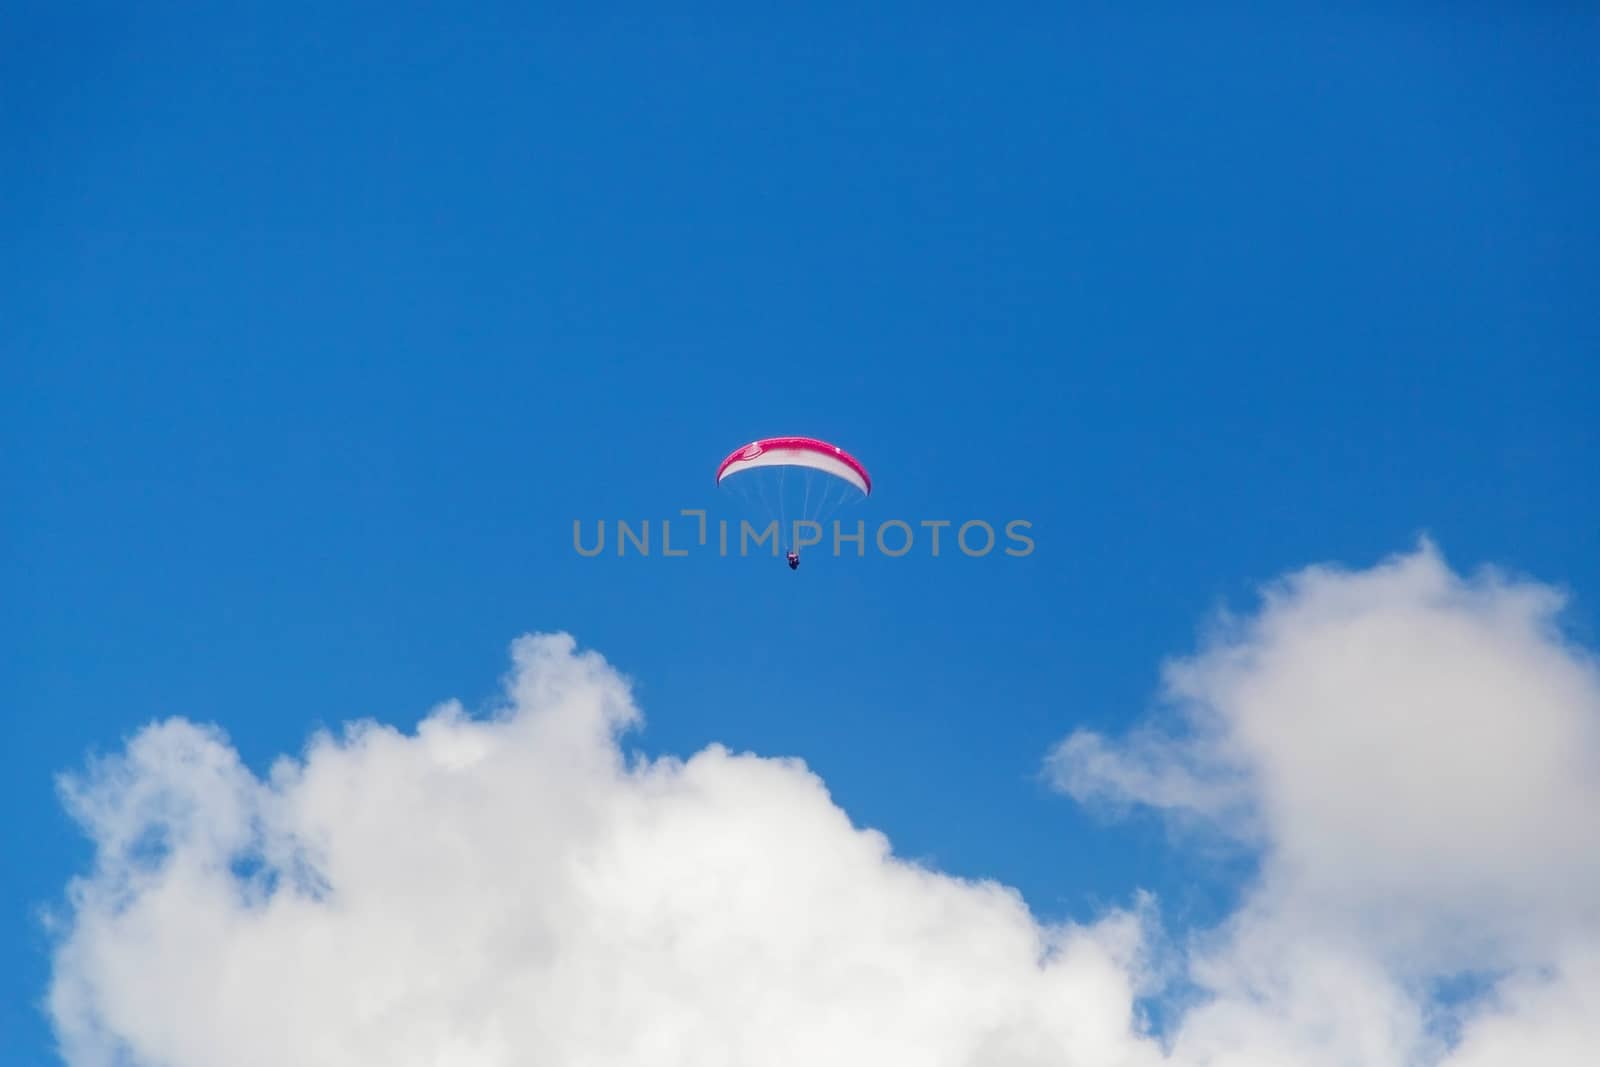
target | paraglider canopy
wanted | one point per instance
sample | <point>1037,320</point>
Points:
<point>797,452</point>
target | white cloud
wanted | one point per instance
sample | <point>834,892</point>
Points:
<point>1414,755</point>
<point>1417,757</point>
<point>512,891</point>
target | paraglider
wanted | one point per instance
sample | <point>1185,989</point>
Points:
<point>796,481</point>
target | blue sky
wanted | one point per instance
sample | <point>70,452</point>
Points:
<point>323,327</point>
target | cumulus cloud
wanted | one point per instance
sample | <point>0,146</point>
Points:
<point>513,890</point>
<point>1416,756</point>
<point>1413,755</point>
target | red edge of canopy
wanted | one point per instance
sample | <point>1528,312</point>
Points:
<point>801,444</point>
